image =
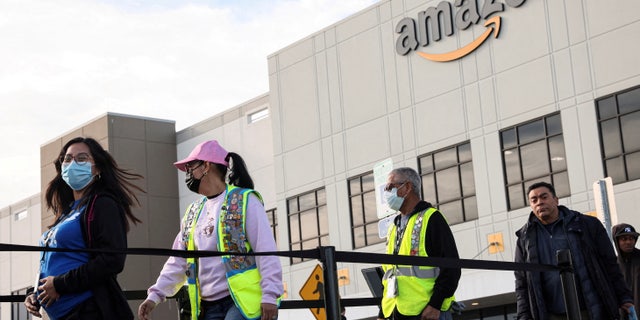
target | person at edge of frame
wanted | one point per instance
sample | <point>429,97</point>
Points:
<point>550,228</point>
<point>91,198</point>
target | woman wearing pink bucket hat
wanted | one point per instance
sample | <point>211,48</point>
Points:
<point>229,217</point>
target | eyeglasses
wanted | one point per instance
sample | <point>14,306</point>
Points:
<point>189,167</point>
<point>392,185</point>
<point>80,158</point>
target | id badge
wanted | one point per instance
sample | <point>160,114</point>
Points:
<point>392,286</point>
<point>192,273</point>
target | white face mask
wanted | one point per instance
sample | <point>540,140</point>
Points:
<point>393,200</point>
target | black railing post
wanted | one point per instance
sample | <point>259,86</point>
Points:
<point>331,293</point>
<point>568,280</point>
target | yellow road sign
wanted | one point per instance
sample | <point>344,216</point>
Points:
<point>313,289</point>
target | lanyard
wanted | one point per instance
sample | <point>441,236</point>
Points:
<point>400,234</point>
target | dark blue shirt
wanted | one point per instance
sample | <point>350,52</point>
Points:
<point>551,238</point>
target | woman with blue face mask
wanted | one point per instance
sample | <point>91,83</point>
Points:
<point>91,198</point>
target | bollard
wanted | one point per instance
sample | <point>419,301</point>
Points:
<point>331,293</point>
<point>568,280</point>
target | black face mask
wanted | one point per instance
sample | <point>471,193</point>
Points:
<point>192,183</point>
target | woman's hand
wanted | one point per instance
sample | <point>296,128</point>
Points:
<point>269,311</point>
<point>32,305</point>
<point>47,292</point>
<point>145,308</point>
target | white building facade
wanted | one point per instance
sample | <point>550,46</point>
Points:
<point>554,97</point>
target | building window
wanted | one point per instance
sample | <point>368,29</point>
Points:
<point>308,225</point>
<point>258,115</point>
<point>273,222</point>
<point>619,126</point>
<point>20,215</point>
<point>447,182</point>
<point>364,216</point>
<point>533,152</point>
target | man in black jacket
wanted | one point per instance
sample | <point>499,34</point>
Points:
<point>550,228</point>
<point>625,237</point>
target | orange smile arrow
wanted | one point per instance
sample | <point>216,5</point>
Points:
<point>457,54</point>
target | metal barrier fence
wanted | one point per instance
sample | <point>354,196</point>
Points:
<point>329,257</point>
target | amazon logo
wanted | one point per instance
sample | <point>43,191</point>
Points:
<point>431,23</point>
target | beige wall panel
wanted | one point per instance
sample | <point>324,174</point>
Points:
<point>590,156</point>
<point>362,78</point>
<point>5,268</point>
<point>367,143</point>
<point>161,175</point>
<point>525,88</point>
<point>468,64</point>
<point>335,90</point>
<point>130,154</point>
<point>303,165</point>
<point>604,16</point>
<point>494,171</point>
<point>97,129</point>
<point>582,69</point>
<point>439,118</point>
<point>257,143</point>
<point>574,151</point>
<point>328,165</point>
<point>130,128</point>
<point>160,131</point>
<point>324,99</point>
<point>402,131</point>
<point>264,181</point>
<point>295,53</point>
<point>319,42</point>
<point>615,54</point>
<point>563,74</point>
<point>481,176</point>
<point>389,56</point>
<point>488,101</point>
<point>338,153</point>
<point>299,105</point>
<point>430,79</point>
<point>232,138</point>
<point>627,202</point>
<point>275,114</point>
<point>523,37</point>
<point>472,107</point>
<point>576,24</point>
<point>357,24</point>
<point>557,19</point>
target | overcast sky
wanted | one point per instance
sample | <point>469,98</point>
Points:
<point>66,62</point>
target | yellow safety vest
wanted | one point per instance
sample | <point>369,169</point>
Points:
<point>414,283</point>
<point>242,273</point>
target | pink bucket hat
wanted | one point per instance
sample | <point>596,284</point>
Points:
<point>210,151</point>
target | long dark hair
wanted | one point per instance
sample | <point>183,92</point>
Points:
<point>112,180</point>
<point>238,173</point>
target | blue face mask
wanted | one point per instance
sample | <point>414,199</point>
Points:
<point>393,200</point>
<point>77,176</point>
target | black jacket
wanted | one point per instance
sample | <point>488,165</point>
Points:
<point>106,230</point>
<point>593,258</point>
<point>630,267</point>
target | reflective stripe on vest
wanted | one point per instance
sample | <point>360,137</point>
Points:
<point>412,271</point>
<point>189,222</point>
<point>414,283</point>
